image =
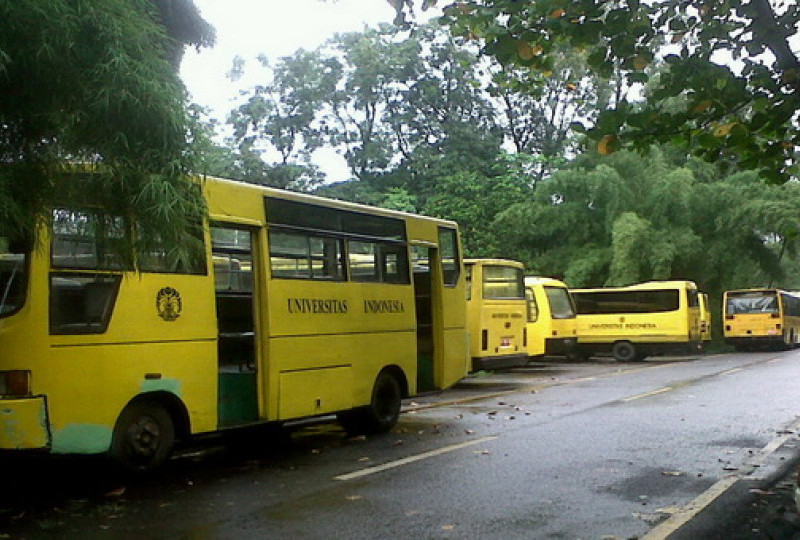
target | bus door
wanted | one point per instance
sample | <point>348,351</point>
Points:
<point>232,252</point>
<point>422,258</point>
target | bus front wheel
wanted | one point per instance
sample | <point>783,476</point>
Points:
<point>143,437</point>
<point>624,351</point>
<point>382,412</point>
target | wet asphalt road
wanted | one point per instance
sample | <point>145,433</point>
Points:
<point>681,448</point>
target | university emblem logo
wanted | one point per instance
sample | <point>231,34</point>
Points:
<point>168,304</point>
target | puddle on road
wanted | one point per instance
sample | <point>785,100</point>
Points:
<point>652,482</point>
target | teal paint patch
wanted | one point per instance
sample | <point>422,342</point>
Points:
<point>173,386</point>
<point>82,439</point>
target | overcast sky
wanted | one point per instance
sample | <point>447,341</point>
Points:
<point>273,27</point>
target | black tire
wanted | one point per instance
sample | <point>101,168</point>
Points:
<point>624,351</point>
<point>383,411</point>
<point>143,437</point>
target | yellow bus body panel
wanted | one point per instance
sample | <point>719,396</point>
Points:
<point>496,326</point>
<point>311,357</point>
<point>546,327</point>
<point>678,327</point>
<point>23,423</point>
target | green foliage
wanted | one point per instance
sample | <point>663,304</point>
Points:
<point>96,82</point>
<point>722,111</point>
<point>628,218</point>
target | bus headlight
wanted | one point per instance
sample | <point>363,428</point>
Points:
<point>16,382</point>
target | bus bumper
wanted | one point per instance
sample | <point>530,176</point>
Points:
<point>505,361</point>
<point>23,423</point>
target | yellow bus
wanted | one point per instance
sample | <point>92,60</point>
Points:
<point>552,326</point>
<point>640,320</point>
<point>301,307</point>
<point>705,318</point>
<point>496,313</point>
<point>761,318</point>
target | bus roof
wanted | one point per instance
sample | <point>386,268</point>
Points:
<point>208,183</point>
<point>495,262</point>
<point>646,286</point>
<point>543,280</point>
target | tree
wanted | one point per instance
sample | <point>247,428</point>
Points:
<point>730,64</point>
<point>281,116</point>
<point>96,82</point>
<point>624,219</point>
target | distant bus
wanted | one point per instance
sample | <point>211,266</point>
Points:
<point>301,307</point>
<point>761,318</point>
<point>496,310</point>
<point>640,320</point>
<point>552,326</point>
<point>705,318</point>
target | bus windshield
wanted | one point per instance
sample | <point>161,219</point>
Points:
<point>13,276</point>
<point>503,282</point>
<point>752,303</point>
<point>560,303</point>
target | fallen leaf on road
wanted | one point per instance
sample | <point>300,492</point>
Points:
<point>673,473</point>
<point>358,438</point>
<point>398,442</point>
<point>448,527</point>
<point>469,431</point>
<point>354,497</point>
<point>669,510</point>
<point>119,492</point>
<point>649,518</point>
<point>363,459</point>
<point>410,513</point>
<point>482,452</point>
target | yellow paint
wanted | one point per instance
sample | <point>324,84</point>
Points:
<point>23,424</point>
<point>500,319</point>
<point>781,327</point>
<point>680,326</point>
<point>542,325</point>
<point>319,344</point>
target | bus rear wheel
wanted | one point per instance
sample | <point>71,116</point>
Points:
<point>382,412</point>
<point>624,351</point>
<point>143,437</point>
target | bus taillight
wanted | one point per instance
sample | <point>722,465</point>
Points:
<point>15,382</point>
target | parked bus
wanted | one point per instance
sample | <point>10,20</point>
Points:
<point>301,307</point>
<point>640,320</point>
<point>761,318</point>
<point>705,319</point>
<point>552,326</point>
<point>496,313</point>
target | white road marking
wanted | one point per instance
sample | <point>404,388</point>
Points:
<point>411,459</point>
<point>647,394</point>
<point>671,525</point>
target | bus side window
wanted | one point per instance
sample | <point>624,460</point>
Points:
<point>448,248</point>
<point>362,257</point>
<point>82,303</point>
<point>394,263</point>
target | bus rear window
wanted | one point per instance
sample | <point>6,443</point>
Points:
<point>13,276</point>
<point>503,282</point>
<point>752,303</point>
